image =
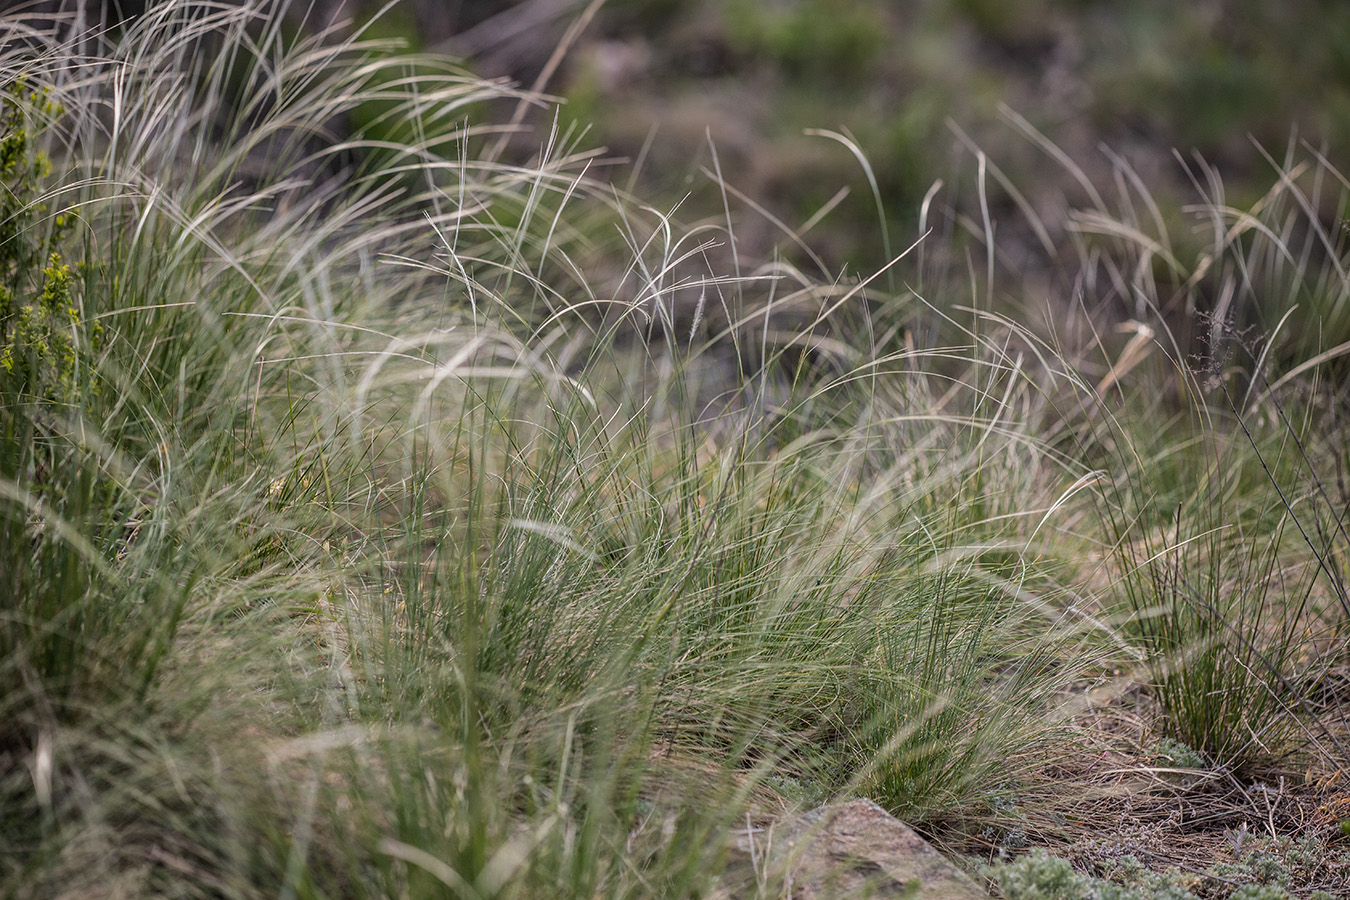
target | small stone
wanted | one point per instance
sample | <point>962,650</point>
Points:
<point>852,850</point>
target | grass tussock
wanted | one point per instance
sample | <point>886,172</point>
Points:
<point>384,516</point>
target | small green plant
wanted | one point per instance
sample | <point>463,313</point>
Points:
<point>39,356</point>
<point>1175,753</point>
<point>1261,875</point>
<point>27,227</point>
<point>41,332</point>
<point>1040,876</point>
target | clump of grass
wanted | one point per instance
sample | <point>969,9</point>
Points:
<point>1223,609</point>
<point>1210,441</point>
<point>1219,620</point>
<point>383,554</point>
<point>1200,510</point>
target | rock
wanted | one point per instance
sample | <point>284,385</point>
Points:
<point>848,850</point>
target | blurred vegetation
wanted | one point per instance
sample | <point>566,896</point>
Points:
<point>919,87</point>
<point>1143,79</point>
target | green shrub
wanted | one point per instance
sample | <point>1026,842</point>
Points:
<point>25,229</point>
<point>41,332</point>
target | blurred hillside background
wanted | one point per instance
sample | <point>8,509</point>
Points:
<point>919,85</point>
<point>864,122</point>
<point>652,80</point>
